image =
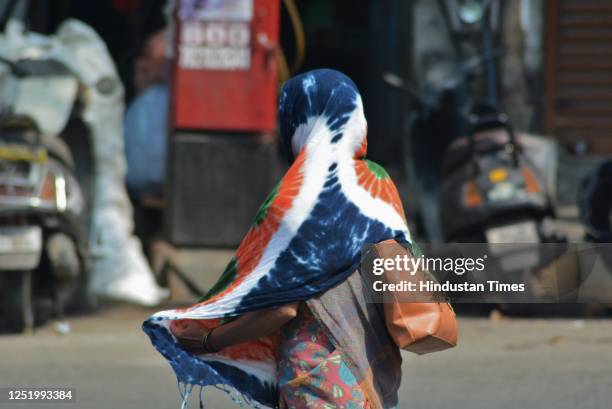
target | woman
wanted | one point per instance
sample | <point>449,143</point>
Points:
<point>287,324</point>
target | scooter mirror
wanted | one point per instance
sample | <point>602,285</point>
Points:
<point>394,80</point>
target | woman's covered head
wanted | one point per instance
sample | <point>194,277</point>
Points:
<point>321,106</point>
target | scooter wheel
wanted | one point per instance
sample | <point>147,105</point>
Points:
<point>17,301</point>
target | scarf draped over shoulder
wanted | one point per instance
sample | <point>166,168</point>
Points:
<point>305,239</point>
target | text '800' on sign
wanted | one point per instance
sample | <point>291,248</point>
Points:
<point>215,45</point>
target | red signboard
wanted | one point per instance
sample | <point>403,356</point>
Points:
<point>225,75</point>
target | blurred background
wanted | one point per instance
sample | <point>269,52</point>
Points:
<point>138,138</point>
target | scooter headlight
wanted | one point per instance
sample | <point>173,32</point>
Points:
<point>471,11</point>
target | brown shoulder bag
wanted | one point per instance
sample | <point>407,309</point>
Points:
<point>419,327</point>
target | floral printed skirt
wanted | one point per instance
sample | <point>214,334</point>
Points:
<point>312,374</point>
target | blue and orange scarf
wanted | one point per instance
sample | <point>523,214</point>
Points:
<point>305,239</point>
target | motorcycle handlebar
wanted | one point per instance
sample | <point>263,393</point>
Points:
<point>399,83</point>
<point>473,63</point>
<point>465,68</point>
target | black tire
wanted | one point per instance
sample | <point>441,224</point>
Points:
<point>81,299</point>
<point>17,301</point>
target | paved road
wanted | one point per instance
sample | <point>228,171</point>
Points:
<point>509,364</point>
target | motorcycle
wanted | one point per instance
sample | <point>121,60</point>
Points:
<point>467,166</point>
<point>474,164</point>
<point>44,194</point>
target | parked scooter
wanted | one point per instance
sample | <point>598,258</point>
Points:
<point>467,166</point>
<point>44,207</point>
<point>470,171</point>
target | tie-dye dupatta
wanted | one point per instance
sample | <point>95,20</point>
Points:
<point>305,239</point>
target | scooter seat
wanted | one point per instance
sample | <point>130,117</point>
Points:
<point>485,141</point>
